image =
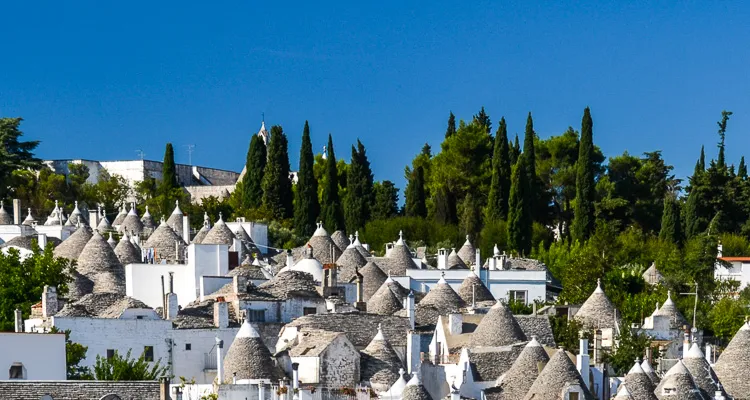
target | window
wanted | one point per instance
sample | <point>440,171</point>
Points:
<point>139,317</point>
<point>188,346</point>
<point>110,354</point>
<point>259,315</point>
<point>148,353</point>
<point>572,396</point>
<point>309,310</point>
<point>517,296</point>
<point>16,371</point>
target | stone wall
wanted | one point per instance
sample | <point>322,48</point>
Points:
<point>79,390</point>
<point>340,364</point>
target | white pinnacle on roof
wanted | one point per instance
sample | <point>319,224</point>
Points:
<point>247,331</point>
<point>400,241</point>
<point>29,218</point>
<point>320,231</point>
<point>398,387</point>
<point>440,282</point>
<point>351,242</point>
<point>379,336</point>
<point>132,210</point>
<point>111,241</point>
<point>598,286</point>
<point>414,381</point>
<point>177,210</point>
<point>147,214</point>
<point>496,251</point>
<point>356,241</point>
<point>636,369</point>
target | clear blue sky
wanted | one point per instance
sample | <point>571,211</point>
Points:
<point>99,81</point>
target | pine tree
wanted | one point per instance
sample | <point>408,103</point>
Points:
<point>720,162</point>
<point>497,203</point>
<point>255,167</point>
<point>529,156</point>
<point>583,219</point>
<point>742,169</point>
<point>416,202</point>
<point>277,187</point>
<point>515,151</point>
<point>445,206</point>
<point>483,119</point>
<point>671,229</point>
<point>359,189</point>
<point>451,126</point>
<point>168,181</point>
<point>519,210</point>
<point>330,205</point>
<point>306,206</point>
<point>700,166</point>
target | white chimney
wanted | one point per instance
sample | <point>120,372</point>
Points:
<point>295,376</point>
<point>410,311</point>
<point>221,314</point>
<point>172,306</point>
<point>413,352</point>
<point>219,361</point>
<point>478,261</point>
<point>442,259</point>
<point>186,229</point>
<point>708,353</point>
<point>16,212</point>
<point>289,259</point>
<point>583,362</point>
<point>42,240</point>
<point>455,393</point>
<point>261,390</point>
<point>49,301</point>
<point>720,250</point>
<point>93,218</point>
<point>19,321</point>
<point>455,324</point>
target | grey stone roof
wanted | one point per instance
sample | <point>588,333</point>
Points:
<point>131,223</point>
<point>623,393</point>
<point>148,221</point>
<point>248,271</point>
<point>384,301</point>
<point>488,363</point>
<point>323,247</point>
<point>79,390</point>
<point>703,375</point>
<point>443,297</point>
<point>219,234</point>
<point>80,286</point>
<point>101,305</point>
<point>677,383</point>
<point>72,247</point>
<point>5,217</point>
<point>397,289</point>
<point>104,226</point>
<point>26,242</point>
<point>120,216</point>
<point>733,365</point>
<point>379,362</point>
<point>127,252</point>
<point>397,261</point>
<point>646,366</point>
<point>340,239</point>
<point>348,263</point>
<point>669,309</point>
<point>175,219</point>
<point>652,276</point>
<point>198,238</point>
<point>517,381</point>
<point>597,312</point>
<point>29,220</point>
<point>290,284</point>
<point>200,315</point>
<point>639,384</point>
<point>372,278</point>
<point>414,390</point>
<point>100,264</point>
<point>472,288</point>
<point>537,326</point>
<point>247,241</point>
<point>359,328</point>
<point>498,328</point>
<point>467,252</point>
<point>313,342</point>
<point>163,242</point>
<point>455,262</point>
<point>558,374</point>
<point>249,357</point>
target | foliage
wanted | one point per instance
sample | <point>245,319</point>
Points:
<point>251,195</point>
<point>14,154</point>
<point>74,354</point>
<point>306,206</point>
<point>168,186</point>
<point>360,190</point>
<point>416,201</point>
<point>22,281</point>
<point>386,200</point>
<point>727,317</point>
<point>330,204</point>
<point>126,368</point>
<point>671,227</point>
<point>583,222</point>
<point>497,203</point>
<point>277,187</point>
<point>519,210</point>
<point>451,130</point>
<point>379,232</point>
<point>566,332</point>
<point>631,346</point>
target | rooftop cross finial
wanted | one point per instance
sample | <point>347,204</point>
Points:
<point>401,235</point>
<point>669,295</point>
<point>356,234</point>
<point>220,216</point>
<point>599,283</point>
<point>177,203</point>
<point>76,203</point>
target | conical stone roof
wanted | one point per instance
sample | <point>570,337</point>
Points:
<point>677,383</point>
<point>340,239</point>
<point>72,247</point>
<point>148,221</point>
<point>703,375</point>
<point>348,263</point>
<point>163,242</point>
<point>120,217</point>
<point>198,239</point>
<point>646,366</point>
<point>597,312</point>
<point>131,224</point>
<point>669,309</point>
<point>733,365</point>
<point>219,234</point>
<point>325,249</point>
<point>103,227</point>
<point>623,393</point>
<point>248,357</point>
<point>5,217</point>
<point>557,375</point>
<point>442,297</point>
<point>175,220</point>
<point>400,258</point>
<point>126,251</point>
<point>472,290</point>
<point>29,219</point>
<point>384,302</point>
<point>372,279</point>
<point>380,363</point>
<point>247,241</point>
<point>100,264</point>
<point>358,245</point>
<point>639,384</point>
<point>467,252</point>
<point>652,276</point>
<point>414,390</point>
<point>455,262</point>
<point>76,216</point>
<point>498,328</point>
<point>517,381</point>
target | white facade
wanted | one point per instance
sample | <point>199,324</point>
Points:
<point>39,356</point>
<point>734,269</point>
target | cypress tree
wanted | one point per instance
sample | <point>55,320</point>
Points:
<point>306,206</point>
<point>451,126</point>
<point>515,151</point>
<point>445,206</point>
<point>359,186</point>
<point>742,168</point>
<point>330,207</point>
<point>277,187</point>
<point>416,202</point>
<point>519,210</point>
<point>497,203</point>
<point>483,119</point>
<point>693,222</point>
<point>700,166</point>
<point>583,219</point>
<point>255,166</point>
<point>722,135</point>
<point>670,220</point>
<point>168,181</point>
<point>529,156</point>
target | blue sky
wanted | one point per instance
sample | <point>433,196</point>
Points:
<point>100,81</point>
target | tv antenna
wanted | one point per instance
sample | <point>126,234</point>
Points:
<point>190,149</point>
<point>141,154</point>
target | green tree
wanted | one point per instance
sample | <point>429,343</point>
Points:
<point>127,368</point>
<point>23,281</point>
<point>14,154</point>
<point>515,151</point>
<point>277,187</point>
<point>255,167</point>
<point>471,220</point>
<point>330,205</point>
<point>583,220</point>
<point>727,316</point>
<point>75,353</point>
<point>416,201</point>
<point>359,188</point>
<point>38,191</point>
<point>169,183</point>
<point>497,203</point>
<point>445,206</point>
<point>451,130</point>
<point>671,229</point>
<point>742,169</point>
<point>519,210</point>
<point>721,163</point>
<point>386,200</point>
<point>306,205</point>
<point>532,195</point>
<point>483,119</point>
<point>112,191</point>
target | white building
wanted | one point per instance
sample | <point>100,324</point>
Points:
<point>733,269</point>
<point>33,356</point>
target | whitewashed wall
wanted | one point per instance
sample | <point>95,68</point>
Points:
<point>498,282</point>
<point>190,364</point>
<point>42,355</point>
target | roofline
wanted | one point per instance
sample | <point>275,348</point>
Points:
<point>144,160</point>
<point>730,259</point>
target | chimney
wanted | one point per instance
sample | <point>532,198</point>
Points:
<point>186,228</point>
<point>295,376</point>
<point>49,301</point>
<point>163,299</point>
<point>171,300</point>
<point>582,360</point>
<point>289,259</point>
<point>221,314</point>
<point>708,353</point>
<point>42,240</point>
<point>239,284</point>
<point>501,259</point>
<point>237,246</point>
<point>19,321</point>
<point>442,259</point>
<point>413,352</point>
<point>93,219</point>
<point>598,347</point>
<point>219,361</point>
<point>410,312</point>
<point>164,388</point>
<point>478,261</point>
<point>16,212</point>
<point>455,324</point>
<point>685,341</point>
